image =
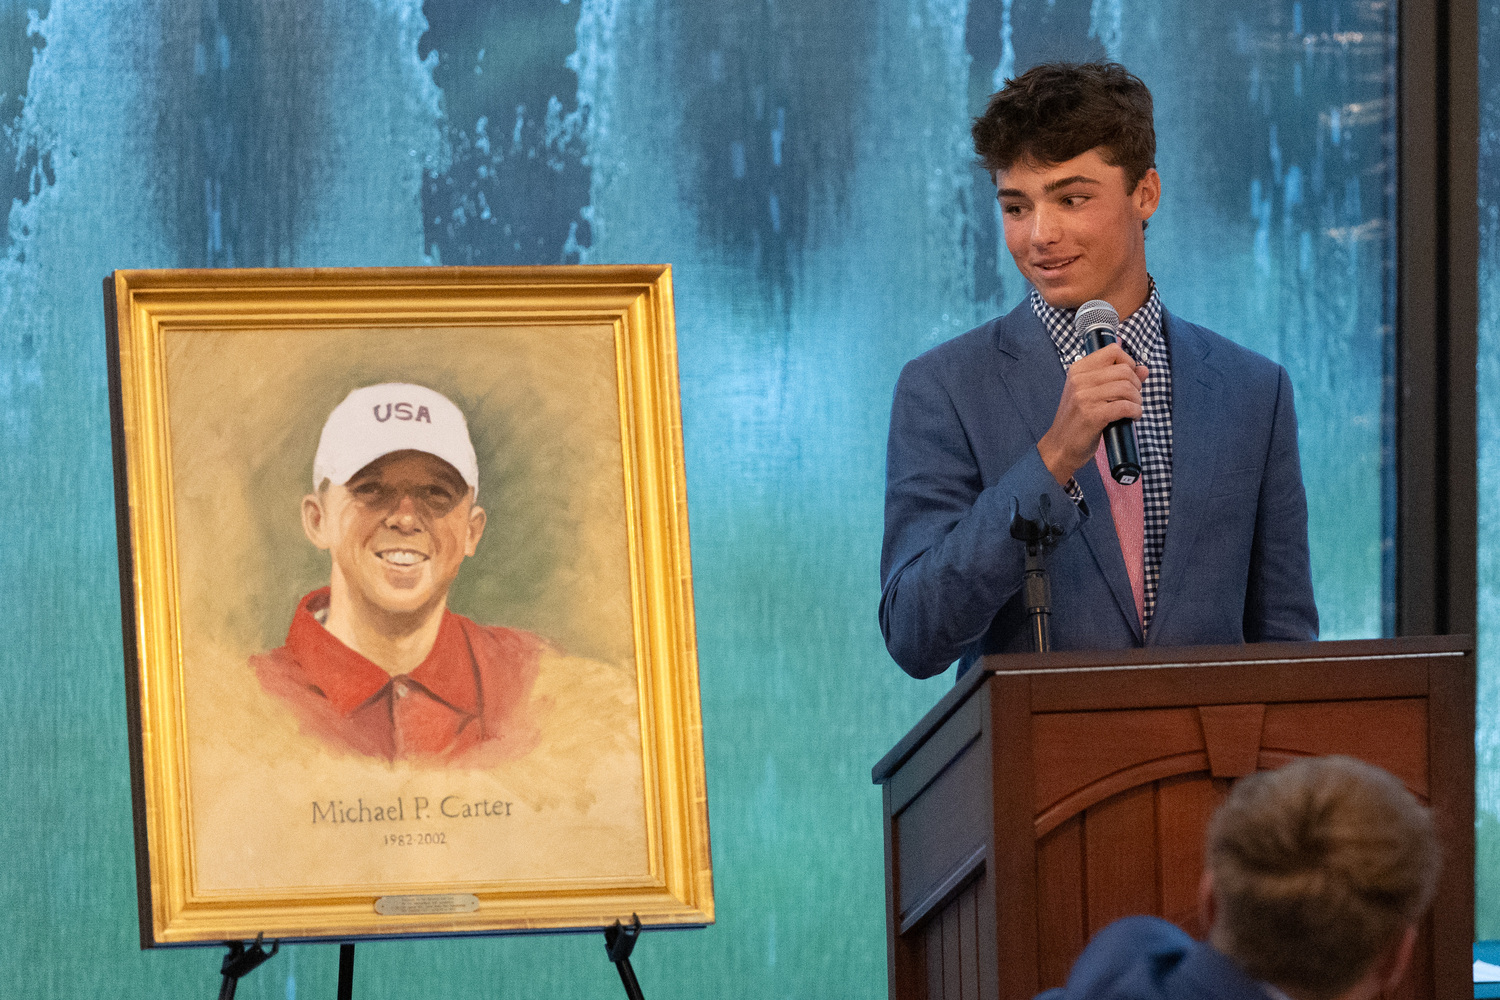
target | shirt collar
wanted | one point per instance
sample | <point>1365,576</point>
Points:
<point>1140,332</point>
<point>350,680</point>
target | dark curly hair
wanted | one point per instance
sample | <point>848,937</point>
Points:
<point>1056,111</point>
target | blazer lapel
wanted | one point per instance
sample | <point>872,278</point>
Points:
<point>1195,387</point>
<point>1033,376</point>
<point>1029,368</point>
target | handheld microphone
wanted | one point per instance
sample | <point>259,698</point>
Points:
<point>1099,324</point>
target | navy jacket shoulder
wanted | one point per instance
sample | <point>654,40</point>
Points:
<point>1147,958</point>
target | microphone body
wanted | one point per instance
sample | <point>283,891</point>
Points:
<point>1100,326</point>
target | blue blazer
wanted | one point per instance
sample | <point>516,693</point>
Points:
<point>1146,958</point>
<point>964,426</point>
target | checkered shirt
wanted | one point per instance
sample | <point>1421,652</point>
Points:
<point>1142,337</point>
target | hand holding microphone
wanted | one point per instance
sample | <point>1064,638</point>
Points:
<point>1102,395</point>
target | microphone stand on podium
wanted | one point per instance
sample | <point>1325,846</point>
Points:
<point>1040,536</point>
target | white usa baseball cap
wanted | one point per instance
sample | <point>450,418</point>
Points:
<point>393,416</point>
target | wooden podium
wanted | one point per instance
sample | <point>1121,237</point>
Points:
<point>1047,795</point>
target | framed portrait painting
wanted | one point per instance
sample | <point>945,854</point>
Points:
<point>407,602</point>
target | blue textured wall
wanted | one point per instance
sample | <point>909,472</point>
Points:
<point>1487,793</point>
<point>805,168</point>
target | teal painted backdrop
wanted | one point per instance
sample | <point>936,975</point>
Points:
<point>1487,792</point>
<point>805,168</point>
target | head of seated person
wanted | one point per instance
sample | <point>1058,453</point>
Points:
<point>1317,875</point>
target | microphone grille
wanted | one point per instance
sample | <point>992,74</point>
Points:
<point>1095,312</point>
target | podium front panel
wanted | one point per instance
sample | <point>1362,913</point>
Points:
<point>1055,794</point>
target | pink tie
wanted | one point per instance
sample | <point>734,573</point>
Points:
<point>1128,505</point>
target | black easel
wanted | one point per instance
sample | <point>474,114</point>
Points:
<point>619,942</point>
<point>1039,536</point>
<point>240,960</point>
<point>346,971</point>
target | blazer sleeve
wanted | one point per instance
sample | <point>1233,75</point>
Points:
<point>948,562</point>
<point>1279,601</point>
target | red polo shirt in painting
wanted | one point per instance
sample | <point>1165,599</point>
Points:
<point>471,691</point>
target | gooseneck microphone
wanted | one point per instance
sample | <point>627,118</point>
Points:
<point>1099,325</point>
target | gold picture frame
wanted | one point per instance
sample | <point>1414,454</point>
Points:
<point>587,802</point>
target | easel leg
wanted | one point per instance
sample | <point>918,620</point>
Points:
<point>627,976</point>
<point>240,960</point>
<point>346,971</point>
<point>619,942</point>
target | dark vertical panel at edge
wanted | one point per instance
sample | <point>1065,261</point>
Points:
<point>986,893</point>
<point>1417,334</point>
<point>953,973</point>
<point>891,941</point>
<point>127,613</point>
<point>1012,861</point>
<point>902,956</point>
<point>1462,68</point>
<point>1437,312</point>
<point>932,952</point>
<point>1450,722</point>
<point>1156,842</point>
<point>968,927</point>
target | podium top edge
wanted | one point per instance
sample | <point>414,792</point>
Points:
<point>1076,662</point>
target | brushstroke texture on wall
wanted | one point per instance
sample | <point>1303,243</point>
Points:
<point>1487,738</point>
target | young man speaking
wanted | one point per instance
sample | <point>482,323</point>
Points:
<point>1209,545</point>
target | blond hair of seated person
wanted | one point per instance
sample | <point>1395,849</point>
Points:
<point>1317,876</point>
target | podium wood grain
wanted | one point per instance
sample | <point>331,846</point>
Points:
<point>1048,795</point>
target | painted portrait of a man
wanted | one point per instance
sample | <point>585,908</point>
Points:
<point>413,577</point>
<point>375,662</point>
